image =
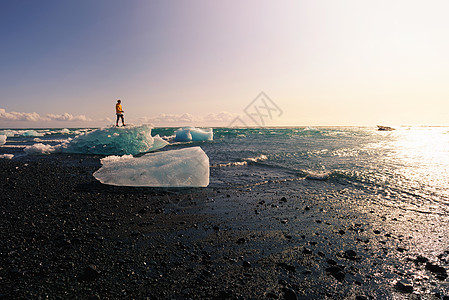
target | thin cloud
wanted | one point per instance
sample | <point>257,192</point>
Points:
<point>221,118</point>
<point>35,117</point>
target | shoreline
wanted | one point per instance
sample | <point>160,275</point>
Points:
<point>66,235</point>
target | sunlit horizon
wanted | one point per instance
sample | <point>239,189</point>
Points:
<point>324,63</point>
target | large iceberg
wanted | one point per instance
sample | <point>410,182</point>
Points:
<point>188,134</point>
<point>188,167</point>
<point>2,140</point>
<point>106,141</point>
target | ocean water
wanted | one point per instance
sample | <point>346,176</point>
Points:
<point>408,166</point>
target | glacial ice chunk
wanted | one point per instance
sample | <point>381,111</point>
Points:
<point>188,167</point>
<point>115,141</point>
<point>188,134</point>
<point>32,133</point>
<point>2,140</point>
<point>7,156</point>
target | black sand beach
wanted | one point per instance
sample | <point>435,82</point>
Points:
<point>66,236</point>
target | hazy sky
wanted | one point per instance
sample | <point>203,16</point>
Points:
<point>322,62</point>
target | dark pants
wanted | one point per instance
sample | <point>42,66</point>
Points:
<point>118,118</point>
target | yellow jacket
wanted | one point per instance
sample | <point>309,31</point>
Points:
<point>118,108</point>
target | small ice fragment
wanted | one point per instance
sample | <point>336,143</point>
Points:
<point>188,167</point>
<point>2,140</point>
<point>40,149</point>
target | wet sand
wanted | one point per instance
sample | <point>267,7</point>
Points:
<point>64,235</point>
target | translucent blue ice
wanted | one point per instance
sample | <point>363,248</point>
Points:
<point>188,167</point>
<point>188,134</point>
<point>115,141</point>
<point>106,141</point>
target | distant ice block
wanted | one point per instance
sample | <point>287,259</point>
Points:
<point>32,133</point>
<point>188,134</point>
<point>188,167</point>
<point>115,141</point>
<point>7,156</point>
<point>2,139</point>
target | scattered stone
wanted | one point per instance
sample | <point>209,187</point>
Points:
<point>376,231</point>
<point>351,254</point>
<point>307,251</point>
<point>439,271</point>
<point>246,264</point>
<point>289,294</point>
<point>143,210</point>
<point>90,273</point>
<point>307,208</point>
<point>283,199</point>
<point>404,286</point>
<point>287,267</point>
<point>271,295</point>
<point>241,240</point>
<point>337,272</point>
<point>341,231</point>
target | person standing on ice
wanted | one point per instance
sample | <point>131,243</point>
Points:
<point>119,112</point>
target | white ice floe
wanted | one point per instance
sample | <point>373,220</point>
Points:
<point>188,134</point>
<point>2,140</point>
<point>188,167</point>
<point>7,156</point>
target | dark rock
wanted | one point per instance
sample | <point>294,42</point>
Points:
<point>246,264</point>
<point>287,267</point>
<point>241,241</point>
<point>307,251</point>
<point>404,286</point>
<point>143,210</point>
<point>376,231</point>
<point>283,199</point>
<point>400,249</point>
<point>289,294</point>
<point>158,211</point>
<point>306,208</point>
<point>341,232</point>
<point>216,228</point>
<point>90,273</point>
<point>361,297</point>
<point>337,272</point>
<point>271,295</point>
<point>225,294</point>
<point>351,254</point>
<point>438,270</point>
